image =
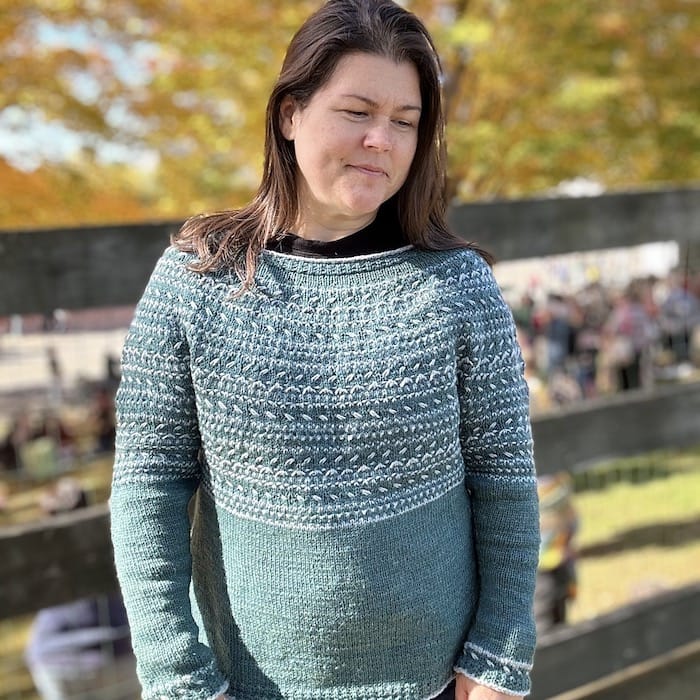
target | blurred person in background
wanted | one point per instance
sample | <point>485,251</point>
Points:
<point>629,334</point>
<point>593,312</point>
<point>81,650</point>
<point>20,432</point>
<point>104,419</point>
<point>556,574</point>
<point>679,314</point>
<point>559,332</point>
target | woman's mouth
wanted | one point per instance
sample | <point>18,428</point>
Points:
<point>370,170</point>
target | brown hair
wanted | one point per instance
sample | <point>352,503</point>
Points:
<point>233,239</point>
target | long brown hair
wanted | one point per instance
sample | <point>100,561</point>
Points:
<point>233,239</point>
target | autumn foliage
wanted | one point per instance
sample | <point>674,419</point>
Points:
<point>154,108</point>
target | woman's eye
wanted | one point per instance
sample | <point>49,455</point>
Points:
<point>404,124</point>
<point>352,113</point>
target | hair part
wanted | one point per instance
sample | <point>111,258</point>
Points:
<point>233,239</point>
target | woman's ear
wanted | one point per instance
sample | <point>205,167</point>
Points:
<point>288,109</point>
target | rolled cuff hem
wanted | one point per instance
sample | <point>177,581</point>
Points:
<point>205,684</point>
<point>506,676</point>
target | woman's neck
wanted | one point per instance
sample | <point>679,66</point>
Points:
<point>313,227</point>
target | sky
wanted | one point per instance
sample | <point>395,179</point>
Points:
<point>27,138</point>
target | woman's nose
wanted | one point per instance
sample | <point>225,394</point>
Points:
<point>378,137</point>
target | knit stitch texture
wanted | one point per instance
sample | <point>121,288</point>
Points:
<point>357,434</point>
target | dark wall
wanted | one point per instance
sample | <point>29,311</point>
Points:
<point>108,266</point>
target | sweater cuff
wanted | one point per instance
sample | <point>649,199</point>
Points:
<point>504,675</point>
<point>204,684</point>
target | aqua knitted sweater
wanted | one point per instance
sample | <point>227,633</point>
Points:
<point>366,518</point>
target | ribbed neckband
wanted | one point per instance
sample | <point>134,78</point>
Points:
<point>340,272</point>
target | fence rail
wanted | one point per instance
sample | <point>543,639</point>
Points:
<point>581,654</point>
<point>625,424</point>
<point>86,267</point>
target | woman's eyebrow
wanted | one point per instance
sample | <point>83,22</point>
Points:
<point>372,103</point>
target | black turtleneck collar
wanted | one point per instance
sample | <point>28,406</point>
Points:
<point>383,234</point>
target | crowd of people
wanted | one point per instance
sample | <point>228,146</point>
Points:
<point>601,340</point>
<point>584,345</point>
<point>40,442</point>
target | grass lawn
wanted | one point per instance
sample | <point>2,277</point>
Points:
<point>637,539</point>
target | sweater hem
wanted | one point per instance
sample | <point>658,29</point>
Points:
<point>362,693</point>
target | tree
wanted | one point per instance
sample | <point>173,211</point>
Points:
<point>143,78</point>
<point>51,197</point>
<point>541,91</point>
<point>537,91</point>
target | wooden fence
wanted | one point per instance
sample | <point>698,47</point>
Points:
<point>93,267</point>
<point>108,265</point>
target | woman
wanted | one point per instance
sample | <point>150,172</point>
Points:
<point>336,375</point>
<point>629,333</point>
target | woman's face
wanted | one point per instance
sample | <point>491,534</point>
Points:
<point>354,143</point>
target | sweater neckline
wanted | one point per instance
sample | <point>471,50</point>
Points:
<point>380,235</point>
<point>379,259</point>
<point>278,270</point>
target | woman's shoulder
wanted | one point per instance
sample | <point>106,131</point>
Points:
<point>463,269</point>
<point>175,261</point>
<point>469,287</point>
<point>173,284</point>
<point>174,270</point>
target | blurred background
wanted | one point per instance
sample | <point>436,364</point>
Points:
<point>574,155</point>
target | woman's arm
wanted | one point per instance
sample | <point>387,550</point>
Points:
<point>496,444</point>
<point>156,471</point>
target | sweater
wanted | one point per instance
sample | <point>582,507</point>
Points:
<point>356,433</point>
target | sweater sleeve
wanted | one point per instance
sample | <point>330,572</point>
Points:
<point>156,471</point>
<point>496,440</point>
